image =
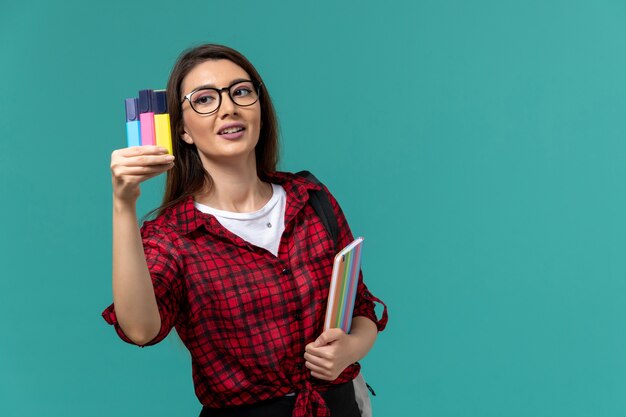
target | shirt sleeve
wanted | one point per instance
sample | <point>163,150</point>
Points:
<point>161,256</point>
<point>365,300</point>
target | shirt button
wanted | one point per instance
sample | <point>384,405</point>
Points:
<point>286,271</point>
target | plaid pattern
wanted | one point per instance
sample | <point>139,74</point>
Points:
<point>244,314</point>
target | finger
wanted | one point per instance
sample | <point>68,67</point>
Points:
<point>317,360</point>
<point>321,376</point>
<point>324,352</point>
<point>317,369</point>
<point>146,160</point>
<point>129,179</point>
<point>328,336</point>
<point>141,150</point>
<point>141,170</point>
<point>312,348</point>
<point>119,162</point>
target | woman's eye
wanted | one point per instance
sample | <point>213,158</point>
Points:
<point>242,91</point>
<point>205,99</point>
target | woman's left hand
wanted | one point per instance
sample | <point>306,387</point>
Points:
<point>331,353</point>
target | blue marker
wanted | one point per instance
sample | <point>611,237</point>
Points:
<point>133,129</point>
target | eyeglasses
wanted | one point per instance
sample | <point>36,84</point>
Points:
<point>208,100</point>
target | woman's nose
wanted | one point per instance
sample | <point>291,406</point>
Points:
<point>227,106</point>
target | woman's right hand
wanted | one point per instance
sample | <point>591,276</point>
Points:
<point>133,293</point>
<point>132,166</point>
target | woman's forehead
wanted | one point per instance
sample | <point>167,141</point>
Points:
<point>217,73</point>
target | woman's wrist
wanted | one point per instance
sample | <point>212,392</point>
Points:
<point>121,205</point>
<point>362,337</point>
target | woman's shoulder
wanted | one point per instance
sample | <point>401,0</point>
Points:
<point>177,218</point>
<point>295,179</point>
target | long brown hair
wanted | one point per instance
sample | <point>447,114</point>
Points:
<point>188,175</point>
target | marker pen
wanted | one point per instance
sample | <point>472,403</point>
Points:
<point>162,120</point>
<point>146,117</point>
<point>133,134</point>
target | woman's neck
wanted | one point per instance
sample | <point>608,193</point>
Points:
<point>235,188</point>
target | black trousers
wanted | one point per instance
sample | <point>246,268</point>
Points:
<point>340,400</point>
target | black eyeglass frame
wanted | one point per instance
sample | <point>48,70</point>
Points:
<point>256,84</point>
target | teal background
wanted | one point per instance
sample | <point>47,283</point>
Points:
<point>477,145</point>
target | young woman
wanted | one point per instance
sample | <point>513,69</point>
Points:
<point>236,259</point>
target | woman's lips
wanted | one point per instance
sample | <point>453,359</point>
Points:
<point>232,131</point>
<point>231,134</point>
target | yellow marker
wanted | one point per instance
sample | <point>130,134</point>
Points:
<point>162,129</point>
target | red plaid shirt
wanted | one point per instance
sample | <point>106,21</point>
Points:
<point>244,314</point>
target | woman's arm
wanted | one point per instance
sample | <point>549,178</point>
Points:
<point>333,351</point>
<point>133,293</point>
<point>365,332</point>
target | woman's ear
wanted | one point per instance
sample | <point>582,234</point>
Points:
<point>185,136</point>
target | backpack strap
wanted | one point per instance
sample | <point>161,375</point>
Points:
<point>322,206</point>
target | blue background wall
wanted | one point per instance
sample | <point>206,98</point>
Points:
<point>488,137</point>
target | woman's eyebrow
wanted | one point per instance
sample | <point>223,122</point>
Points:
<point>238,80</point>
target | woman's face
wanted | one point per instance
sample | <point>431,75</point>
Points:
<point>230,134</point>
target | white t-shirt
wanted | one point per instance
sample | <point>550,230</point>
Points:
<point>262,228</point>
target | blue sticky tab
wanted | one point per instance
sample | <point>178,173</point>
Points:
<point>159,101</point>
<point>145,101</point>
<point>131,109</point>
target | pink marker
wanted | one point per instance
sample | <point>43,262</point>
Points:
<point>146,117</point>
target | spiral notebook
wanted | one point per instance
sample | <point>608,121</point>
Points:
<point>343,286</point>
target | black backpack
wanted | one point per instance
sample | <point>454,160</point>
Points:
<point>322,206</point>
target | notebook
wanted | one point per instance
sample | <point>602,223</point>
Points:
<point>343,286</point>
